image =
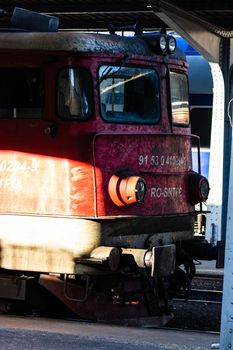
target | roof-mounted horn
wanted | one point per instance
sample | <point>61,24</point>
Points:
<point>136,28</point>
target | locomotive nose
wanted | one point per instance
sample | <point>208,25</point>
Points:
<point>198,188</point>
<point>126,190</point>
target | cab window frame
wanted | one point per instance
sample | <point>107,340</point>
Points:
<point>157,118</point>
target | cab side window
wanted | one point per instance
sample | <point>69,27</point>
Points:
<point>179,99</point>
<point>21,92</point>
<point>74,94</point>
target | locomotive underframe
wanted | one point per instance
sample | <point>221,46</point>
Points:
<point>85,285</point>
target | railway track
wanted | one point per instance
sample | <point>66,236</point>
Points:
<point>204,296</point>
<point>202,309</point>
<point>207,288</point>
<point>208,281</point>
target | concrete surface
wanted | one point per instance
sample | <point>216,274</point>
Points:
<point>35,333</point>
<point>206,267</point>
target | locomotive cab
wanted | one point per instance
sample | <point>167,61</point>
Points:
<point>96,170</point>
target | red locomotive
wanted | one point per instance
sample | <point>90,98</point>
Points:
<point>96,183</point>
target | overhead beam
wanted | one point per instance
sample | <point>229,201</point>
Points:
<point>101,21</point>
<point>76,6</point>
<point>198,33</point>
<point>89,14</point>
<point>195,5</point>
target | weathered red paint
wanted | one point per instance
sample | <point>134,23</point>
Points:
<point>60,169</point>
<point>68,174</point>
<point>162,160</point>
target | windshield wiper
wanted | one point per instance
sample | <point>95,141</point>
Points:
<point>109,73</point>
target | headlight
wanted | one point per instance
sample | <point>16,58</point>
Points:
<point>198,188</point>
<point>171,44</point>
<point>160,43</point>
<point>126,190</point>
<point>163,43</point>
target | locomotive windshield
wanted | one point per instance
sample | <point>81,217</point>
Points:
<point>129,95</point>
<point>179,98</point>
<point>74,94</point>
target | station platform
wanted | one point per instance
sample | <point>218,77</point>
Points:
<point>35,333</point>
<point>205,268</point>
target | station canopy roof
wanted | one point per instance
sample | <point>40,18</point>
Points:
<point>98,14</point>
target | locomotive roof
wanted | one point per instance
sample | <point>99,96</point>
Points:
<point>77,42</point>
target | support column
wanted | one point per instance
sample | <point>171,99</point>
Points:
<point>226,335</point>
<point>225,67</point>
<point>213,231</point>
